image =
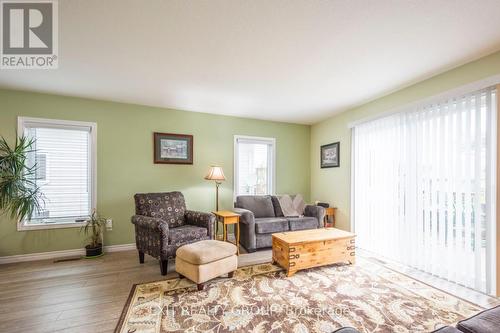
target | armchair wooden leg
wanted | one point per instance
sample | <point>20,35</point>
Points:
<point>230,274</point>
<point>141,257</point>
<point>200,286</point>
<point>164,266</point>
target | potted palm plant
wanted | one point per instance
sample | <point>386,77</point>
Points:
<point>20,196</point>
<point>94,228</point>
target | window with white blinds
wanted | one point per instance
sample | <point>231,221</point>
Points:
<point>254,165</point>
<point>424,188</point>
<point>64,154</point>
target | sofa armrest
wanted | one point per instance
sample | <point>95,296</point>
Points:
<point>247,229</point>
<point>246,216</point>
<point>201,219</point>
<point>317,212</point>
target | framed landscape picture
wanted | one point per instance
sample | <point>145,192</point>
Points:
<point>330,155</point>
<point>172,148</point>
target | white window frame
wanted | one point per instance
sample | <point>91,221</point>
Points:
<point>66,124</point>
<point>271,161</point>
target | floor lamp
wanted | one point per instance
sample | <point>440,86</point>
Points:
<point>216,173</point>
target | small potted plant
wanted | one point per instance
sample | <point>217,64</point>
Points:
<point>94,228</point>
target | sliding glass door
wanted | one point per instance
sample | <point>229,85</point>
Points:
<point>424,188</point>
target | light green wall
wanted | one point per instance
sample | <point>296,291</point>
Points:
<point>125,153</point>
<point>334,185</point>
<point>125,161</point>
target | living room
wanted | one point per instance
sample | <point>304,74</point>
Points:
<point>235,166</point>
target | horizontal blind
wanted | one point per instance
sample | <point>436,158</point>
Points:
<point>424,188</point>
<point>63,158</point>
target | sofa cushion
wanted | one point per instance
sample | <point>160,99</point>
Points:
<point>487,321</point>
<point>278,212</point>
<point>259,205</point>
<point>268,225</point>
<point>206,251</point>
<point>302,223</point>
<point>186,234</point>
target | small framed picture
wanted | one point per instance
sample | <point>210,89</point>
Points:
<point>172,148</point>
<point>330,155</point>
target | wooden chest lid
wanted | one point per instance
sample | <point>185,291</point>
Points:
<point>313,235</point>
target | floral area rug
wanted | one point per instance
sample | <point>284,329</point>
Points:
<point>261,298</point>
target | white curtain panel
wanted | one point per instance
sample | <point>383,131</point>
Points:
<point>424,188</point>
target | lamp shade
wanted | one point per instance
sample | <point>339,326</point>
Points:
<point>215,173</point>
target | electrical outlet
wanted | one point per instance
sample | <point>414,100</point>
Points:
<point>109,224</point>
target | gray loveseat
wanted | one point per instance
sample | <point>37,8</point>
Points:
<point>261,216</point>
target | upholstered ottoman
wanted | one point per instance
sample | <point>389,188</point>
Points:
<point>206,260</point>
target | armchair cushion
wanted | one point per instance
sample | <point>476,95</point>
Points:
<point>186,234</point>
<point>200,219</point>
<point>169,206</point>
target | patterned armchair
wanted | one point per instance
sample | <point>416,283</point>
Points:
<point>162,224</point>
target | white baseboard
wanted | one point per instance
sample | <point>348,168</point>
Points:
<point>119,248</point>
<point>61,254</point>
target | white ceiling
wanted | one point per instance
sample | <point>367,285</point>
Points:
<point>295,61</point>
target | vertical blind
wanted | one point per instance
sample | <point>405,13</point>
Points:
<point>63,159</point>
<point>424,188</point>
<point>254,166</point>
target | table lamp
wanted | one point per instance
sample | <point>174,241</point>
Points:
<point>216,173</point>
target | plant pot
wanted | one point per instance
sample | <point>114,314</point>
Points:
<point>91,251</point>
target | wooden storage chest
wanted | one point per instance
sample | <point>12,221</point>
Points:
<point>296,250</point>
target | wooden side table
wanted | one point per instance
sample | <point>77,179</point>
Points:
<point>330,214</point>
<point>227,218</point>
